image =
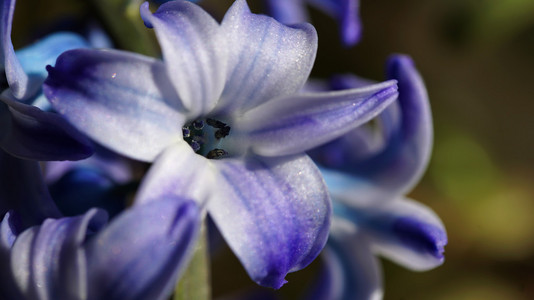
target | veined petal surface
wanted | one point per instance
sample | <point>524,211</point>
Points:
<point>273,212</point>
<point>39,135</point>
<point>148,247</point>
<point>194,52</point>
<point>266,59</point>
<point>292,125</point>
<point>124,101</point>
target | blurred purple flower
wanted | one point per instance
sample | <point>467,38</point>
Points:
<point>368,172</point>
<point>346,12</point>
<point>25,130</point>
<point>138,255</point>
<point>223,122</point>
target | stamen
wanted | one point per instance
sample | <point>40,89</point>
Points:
<point>216,153</point>
<point>223,132</point>
<point>198,124</point>
<point>215,123</point>
<point>186,132</point>
<point>195,145</point>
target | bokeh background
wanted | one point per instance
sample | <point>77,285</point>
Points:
<point>477,58</point>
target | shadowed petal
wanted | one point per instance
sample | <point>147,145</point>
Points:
<point>273,212</point>
<point>267,59</point>
<point>292,125</point>
<point>181,172</point>
<point>16,78</point>
<point>148,247</point>
<point>124,101</point>
<point>194,52</point>
<point>22,189</point>
<point>402,230</point>
<point>351,271</point>
<point>38,135</point>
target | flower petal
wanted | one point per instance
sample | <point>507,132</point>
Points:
<point>273,212</point>
<point>402,230</point>
<point>393,160</point>
<point>148,247</point>
<point>287,12</point>
<point>181,172</point>
<point>292,125</point>
<point>22,189</point>
<point>347,14</point>
<point>194,52</point>
<point>38,135</point>
<point>47,261</point>
<point>37,56</point>
<point>124,101</point>
<point>266,59</point>
<point>16,78</point>
<point>351,270</point>
<point>10,227</point>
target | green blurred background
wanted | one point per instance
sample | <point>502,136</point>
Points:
<point>477,58</point>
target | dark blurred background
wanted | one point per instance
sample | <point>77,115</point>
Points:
<point>477,58</point>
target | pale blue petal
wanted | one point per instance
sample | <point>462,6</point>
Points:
<point>179,171</point>
<point>123,101</point>
<point>266,59</point>
<point>22,189</point>
<point>296,124</point>
<point>405,231</point>
<point>273,212</point>
<point>38,135</point>
<point>16,78</point>
<point>37,56</point>
<point>148,247</point>
<point>351,271</point>
<point>287,11</point>
<point>194,52</point>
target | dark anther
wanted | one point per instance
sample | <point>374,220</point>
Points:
<point>195,146</point>
<point>186,132</point>
<point>198,124</point>
<point>215,123</point>
<point>216,153</point>
<point>223,132</point>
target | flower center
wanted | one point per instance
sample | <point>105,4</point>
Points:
<point>203,135</point>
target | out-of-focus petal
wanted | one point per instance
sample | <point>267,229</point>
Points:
<point>194,52</point>
<point>402,230</point>
<point>37,56</point>
<point>287,12</point>
<point>296,124</point>
<point>347,13</point>
<point>16,78</point>
<point>124,101</point>
<point>273,212</point>
<point>147,246</point>
<point>48,261</point>
<point>22,189</point>
<point>351,271</point>
<point>266,59</point>
<point>181,172</point>
<point>38,135</point>
<point>10,228</point>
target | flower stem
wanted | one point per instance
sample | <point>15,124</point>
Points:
<point>122,18</point>
<point>195,282</point>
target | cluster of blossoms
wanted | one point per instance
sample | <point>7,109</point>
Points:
<point>234,130</point>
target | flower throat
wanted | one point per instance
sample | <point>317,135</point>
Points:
<point>203,135</point>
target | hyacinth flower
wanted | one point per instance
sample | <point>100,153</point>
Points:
<point>369,171</point>
<point>222,121</point>
<point>346,12</point>
<point>45,255</point>
<point>26,131</point>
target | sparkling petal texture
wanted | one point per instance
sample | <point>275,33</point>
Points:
<point>299,123</point>
<point>148,246</point>
<point>179,171</point>
<point>194,52</point>
<point>22,189</point>
<point>18,80</point>
<point>122,100</point>
<point>39,135</point>
<point>402,230</point>
<point>274,214</point>
<point>266,59</point>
